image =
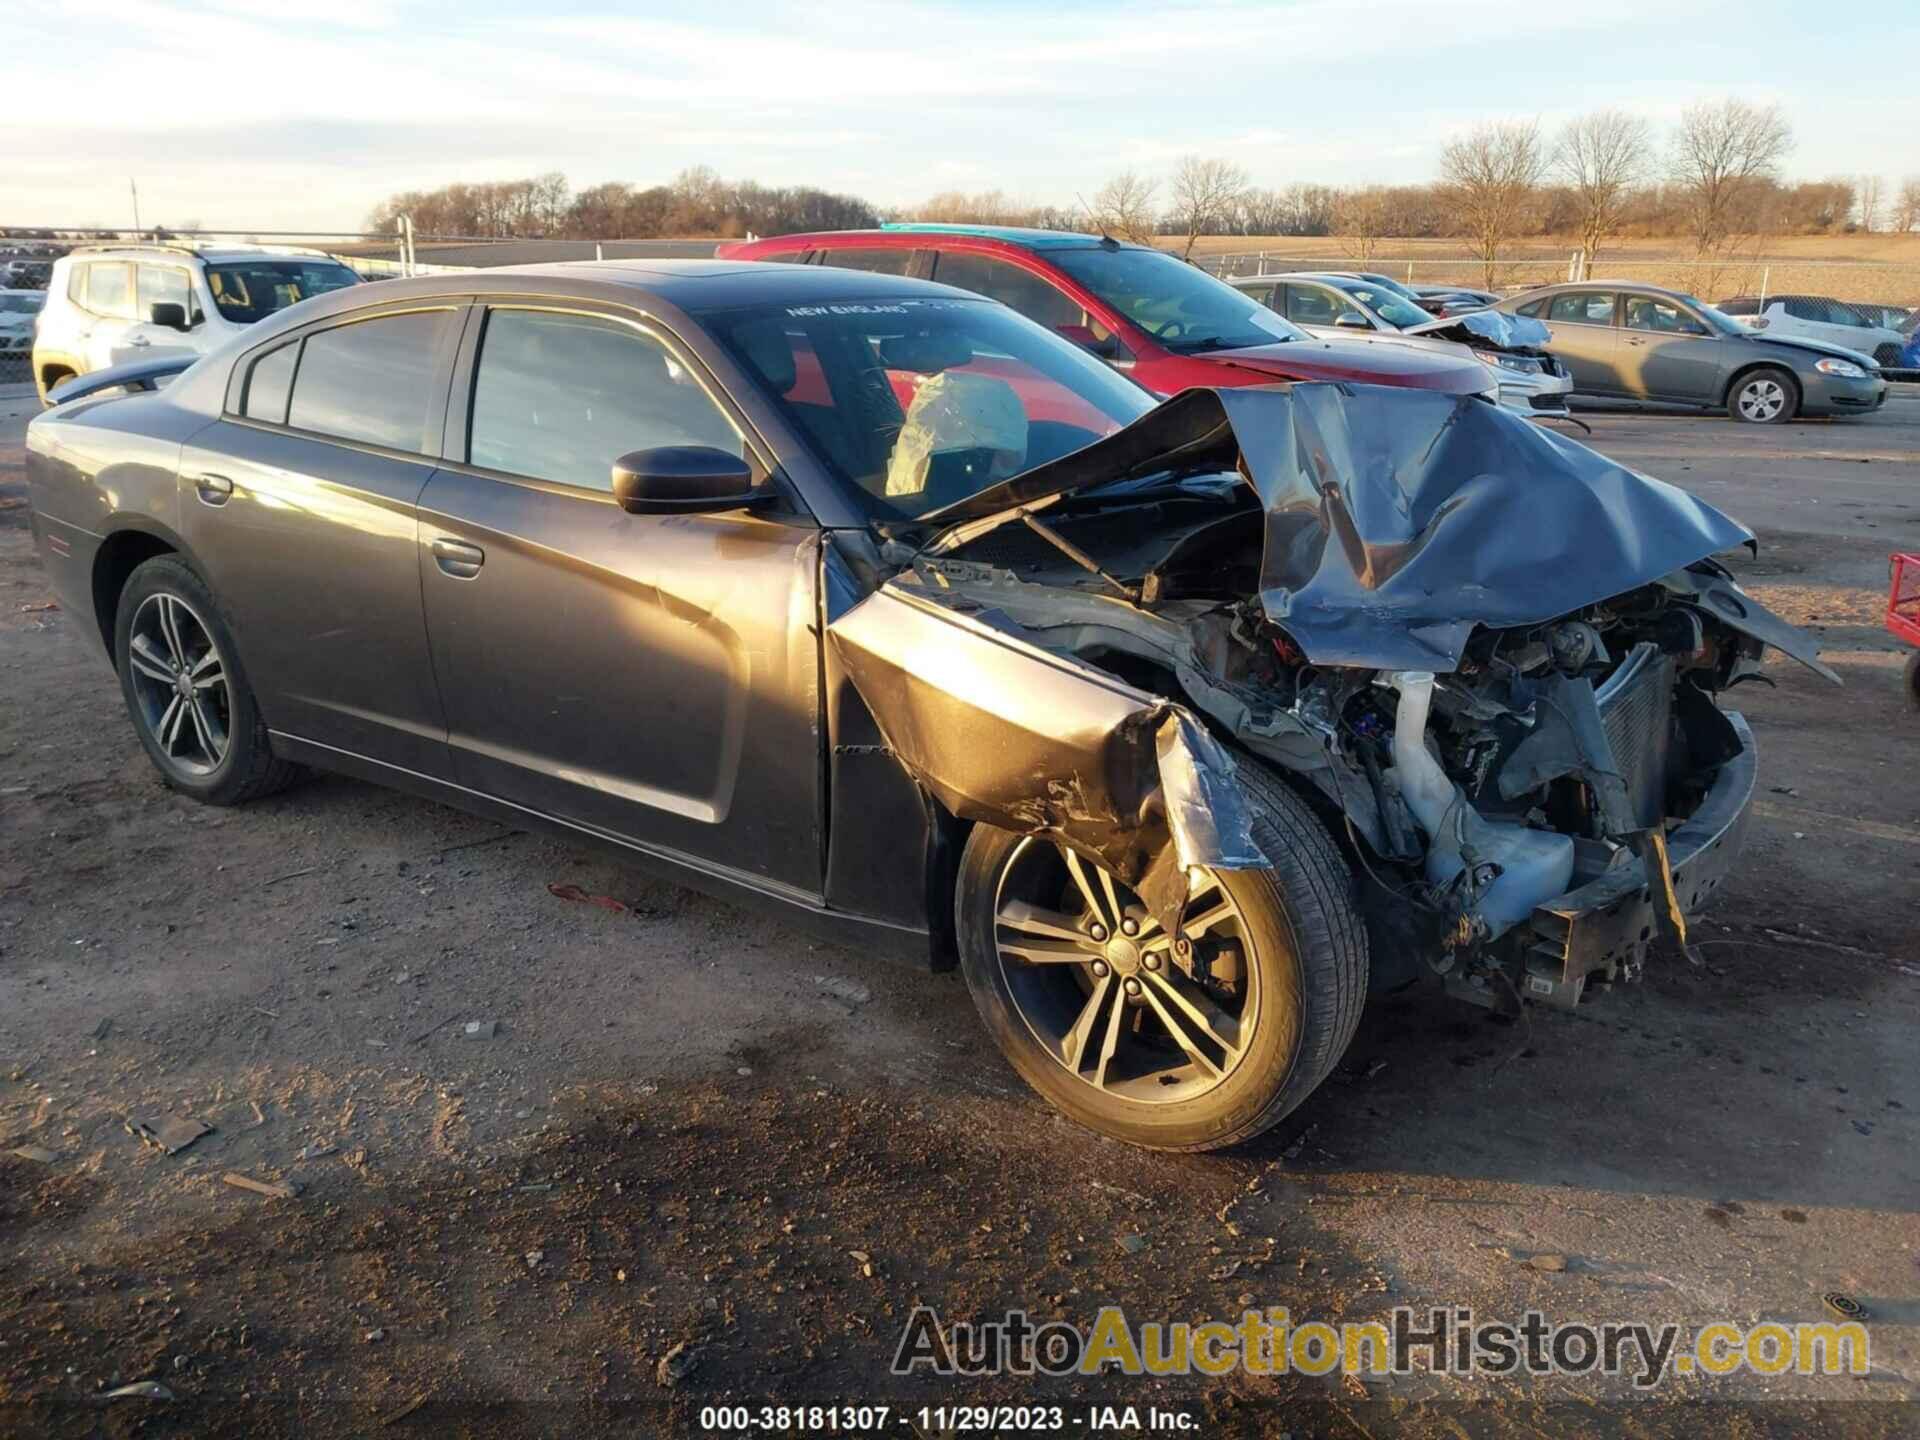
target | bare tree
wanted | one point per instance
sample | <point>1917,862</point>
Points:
<point>1722,150</point>
<point>1906,207</point>
<point>1204,193</point>
<point>1492,180</point>
<point>1601,157</point>
<point>1123,207</point>
<point>1264,212</point>
<point>1868,192</point>
<point>1360,219</point>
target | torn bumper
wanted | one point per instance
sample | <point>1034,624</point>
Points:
<point>1606,925</point>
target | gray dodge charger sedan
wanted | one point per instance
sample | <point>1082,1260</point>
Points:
<point>1175,727</point>
<point>1624,341</point>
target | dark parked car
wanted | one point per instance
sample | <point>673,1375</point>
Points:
<point>1175,727</point>
<point>1161,322</point>
<point>1635,342</point>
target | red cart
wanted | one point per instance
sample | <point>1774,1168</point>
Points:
<point>1903,615</point>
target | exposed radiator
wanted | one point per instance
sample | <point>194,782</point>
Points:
<point>1636,705</point>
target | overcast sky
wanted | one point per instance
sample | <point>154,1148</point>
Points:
<point>267,114</point>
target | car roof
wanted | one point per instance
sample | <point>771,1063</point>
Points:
<point>1024,236</point>
<point>134,250</point>
<point>1610,287</point>
<point>692,286</point>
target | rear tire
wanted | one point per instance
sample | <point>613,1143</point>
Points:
<point>1766,396</point>
<point>1913,680</point>
<point>188,697</point>
<point>1299,958</point>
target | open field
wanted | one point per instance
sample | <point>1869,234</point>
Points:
<point>696,1128</point>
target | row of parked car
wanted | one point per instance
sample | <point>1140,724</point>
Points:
<point>1165,324</point>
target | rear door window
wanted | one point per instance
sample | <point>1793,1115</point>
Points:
<point>560,397</point>
<point>879,262</point>
<point>110,288</point>
<point>1583,307</point>
<point>371,381</point>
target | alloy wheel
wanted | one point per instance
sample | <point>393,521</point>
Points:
<point>180,683</point>
<point>1762,399</point>
<point>1109,994</point>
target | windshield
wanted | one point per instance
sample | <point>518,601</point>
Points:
<point>1384,303</point>
<point>915,404</point>
<point>22,303</point>
<point>1387,282</point>
<point>1183,308</point>
<point>1719,320</point>
<point>250,290</point>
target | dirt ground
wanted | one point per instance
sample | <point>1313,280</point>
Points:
<point>693,1128</point>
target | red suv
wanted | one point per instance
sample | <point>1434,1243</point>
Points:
<point>1160,320</point>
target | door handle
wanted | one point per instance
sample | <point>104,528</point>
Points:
<point>1636,340</point>
<point>459,560</point>
<point>213,489</point>
<point>138,342</point>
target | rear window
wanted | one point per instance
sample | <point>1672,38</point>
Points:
<point>371,381</point>
<point>269,385</point>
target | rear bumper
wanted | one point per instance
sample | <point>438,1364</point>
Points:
<point>1606,925</point>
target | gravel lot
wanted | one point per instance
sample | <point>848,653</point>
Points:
<point>695,1128</point>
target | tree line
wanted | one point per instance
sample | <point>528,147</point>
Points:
<point>1713,178</point>
<point>696,202</point>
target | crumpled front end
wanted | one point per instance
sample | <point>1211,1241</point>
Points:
<point>1490,657</point>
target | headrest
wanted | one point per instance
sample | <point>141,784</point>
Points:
<point>926,354</point>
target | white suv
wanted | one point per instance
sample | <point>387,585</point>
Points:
<point>1816,317</point>
<point>111,304</point>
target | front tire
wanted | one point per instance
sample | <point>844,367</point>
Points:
<point>1764,397</point>
<point>1887,357</point>
<point>185,691</point>
<point>1187,1051</point>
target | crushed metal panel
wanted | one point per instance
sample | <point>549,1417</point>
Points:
<point>1488,327</point>
<point>1397,521</point>
<point>1002,732</point>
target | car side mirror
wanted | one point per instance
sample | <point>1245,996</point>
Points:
<point>168,314</point>
<point>685,480</point>
<point>1351,320</point>
<point>1084,337</point>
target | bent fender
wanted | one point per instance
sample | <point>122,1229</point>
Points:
<point>1005,733</point>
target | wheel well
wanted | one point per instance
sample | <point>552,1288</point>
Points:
<point>52,373</point>
<point>1744,371</point>
<point>119,557</point>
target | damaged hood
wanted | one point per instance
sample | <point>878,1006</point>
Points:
<point>1360,361</point>
<point>1486,328</point>
<point>1396,521</point>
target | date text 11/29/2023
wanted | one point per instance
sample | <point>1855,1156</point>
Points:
<point>862,1420</point>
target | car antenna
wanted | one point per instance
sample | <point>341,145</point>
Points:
<point>1107,241</point>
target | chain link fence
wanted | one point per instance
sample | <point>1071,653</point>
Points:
<point>1860,283</point>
